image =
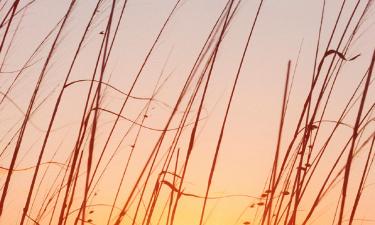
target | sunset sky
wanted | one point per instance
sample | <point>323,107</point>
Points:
<point>285,30</point>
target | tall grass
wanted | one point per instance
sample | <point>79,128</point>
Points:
<point>144,148</point>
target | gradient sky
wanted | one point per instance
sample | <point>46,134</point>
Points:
<point>248,146</point>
